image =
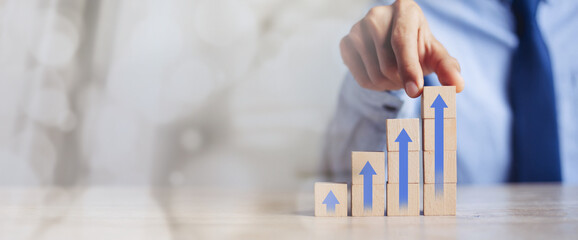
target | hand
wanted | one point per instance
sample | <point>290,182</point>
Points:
<point>392,47</point>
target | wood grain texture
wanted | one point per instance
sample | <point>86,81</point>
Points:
<point>377,161</point>
<point>412,167</point>
<point>413,206</point>
<point>340,192</point>
<point>393,129</point>
<point>450,134</point>
<point>450,167</point>
<point>448,94</point>
<point>512,211</point>
<point>439,204</point>
<point>357,209</point>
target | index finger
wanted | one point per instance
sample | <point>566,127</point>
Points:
<point>404,42</point>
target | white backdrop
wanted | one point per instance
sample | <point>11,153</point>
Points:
<point>171,92</point>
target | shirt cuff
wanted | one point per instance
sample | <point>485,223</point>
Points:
<point>375,105</point>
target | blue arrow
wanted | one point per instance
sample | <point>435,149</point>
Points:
<point>439,106</point>
<point>403,139</point>
<point>330,201</point>
<point>367,173</point>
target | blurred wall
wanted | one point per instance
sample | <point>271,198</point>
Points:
<point>169,92</point>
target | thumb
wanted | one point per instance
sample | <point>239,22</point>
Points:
<point>445,66</point>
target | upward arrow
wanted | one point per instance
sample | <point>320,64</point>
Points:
<point>439,106</point>
<point>367,173</point>
<point>403,139</point>
<point>330,201</point>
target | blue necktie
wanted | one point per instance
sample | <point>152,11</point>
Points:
<point>536,156</point>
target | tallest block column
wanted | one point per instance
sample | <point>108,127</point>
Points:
<point>439,150</point>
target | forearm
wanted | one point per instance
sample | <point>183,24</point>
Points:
<point>359,124</point>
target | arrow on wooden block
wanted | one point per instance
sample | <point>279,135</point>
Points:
<point>367,173</point>
<point>403,139</point>
<point>330,201</point>
<point>439,105</point>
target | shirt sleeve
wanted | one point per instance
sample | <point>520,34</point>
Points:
<point>359,125</point>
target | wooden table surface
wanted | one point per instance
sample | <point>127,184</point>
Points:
<point>483,212</point>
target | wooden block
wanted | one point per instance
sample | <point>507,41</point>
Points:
<point>393,129</point>
<point>439,204</point>
<point>412,167</point>
<point>393,208</point>
<point>450,137</point>
<point>447,93</point>
<point>357,201</point>
<point>450,167</point>
<point>376,161</point>
<point>328,195</point>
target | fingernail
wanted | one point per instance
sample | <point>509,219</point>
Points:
<point>411,89</point>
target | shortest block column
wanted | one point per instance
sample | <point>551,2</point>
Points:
<point>330,199</point>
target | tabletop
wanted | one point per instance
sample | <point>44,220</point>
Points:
<point>483,212</point>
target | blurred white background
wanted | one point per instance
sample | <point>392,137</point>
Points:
<point>169,92</point>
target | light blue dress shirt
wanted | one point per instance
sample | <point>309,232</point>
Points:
<point>481,35</point>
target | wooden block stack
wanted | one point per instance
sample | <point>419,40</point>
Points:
<point>403,146</point>
<point>368,179</point>
<point>439,145</point>
<point>403,150</point>
<point>330,199</point>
